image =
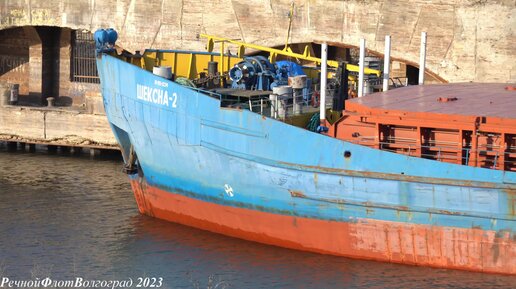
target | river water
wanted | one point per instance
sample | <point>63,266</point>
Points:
<point>65,217</point>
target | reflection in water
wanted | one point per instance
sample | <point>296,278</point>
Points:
<point>63,217</point>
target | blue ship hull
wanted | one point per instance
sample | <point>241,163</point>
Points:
<point>236,172</point>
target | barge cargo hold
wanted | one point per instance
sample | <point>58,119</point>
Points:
<point>233,171</point>
<point>463,123</point>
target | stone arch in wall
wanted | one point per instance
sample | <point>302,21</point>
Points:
<point>40,59</point>
<point>14,57</point>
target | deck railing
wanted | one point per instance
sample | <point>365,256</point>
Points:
<point>448,152</point>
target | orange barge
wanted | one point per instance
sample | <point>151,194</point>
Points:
<point>468,123</point>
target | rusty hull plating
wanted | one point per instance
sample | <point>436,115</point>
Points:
<point>470,249</point>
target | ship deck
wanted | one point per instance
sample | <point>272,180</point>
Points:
<point>472,99</point>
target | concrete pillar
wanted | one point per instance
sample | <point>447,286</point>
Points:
<point>12,146</point>
<point>52,149</point>
<point>64,63</point>
<point>35,64</point>
<point>94,152</point>
<point>65,149</point>
<point>43,62</point>
<point>50,69</point>
<point>76,151</point>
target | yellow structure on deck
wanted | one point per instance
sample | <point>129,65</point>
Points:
<point>186,64</point>
<point>275,52</point>
<point>190,64</point>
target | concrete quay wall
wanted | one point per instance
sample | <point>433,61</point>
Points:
<point>55,127</point>
<point>468,40</point>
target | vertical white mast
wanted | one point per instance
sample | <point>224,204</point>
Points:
<point>324,74</point>
<point>387,62</point>
<point>422,59</point>
<point>361,68</point>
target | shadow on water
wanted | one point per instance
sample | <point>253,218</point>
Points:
<point>66,216</point>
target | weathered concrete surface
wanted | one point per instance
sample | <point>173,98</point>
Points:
<point>14,58</point>
<point>468,40</point>
<point>42,66</point>
<point>56,126</point>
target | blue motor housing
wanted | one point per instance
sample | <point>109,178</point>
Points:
<point>105,40</point>
<point>292,68</point>
<point>257,73</point>
<point>112,36</point>
<point>101,37</point>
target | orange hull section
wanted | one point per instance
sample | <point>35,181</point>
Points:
<point>405,243</point>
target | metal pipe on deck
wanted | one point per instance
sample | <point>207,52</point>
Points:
<point>387,63</point>
<point>221,63</point>
<point>422,59</point>
<point>221,60</point>
<point>361,68</point>
<point>324,74</point>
